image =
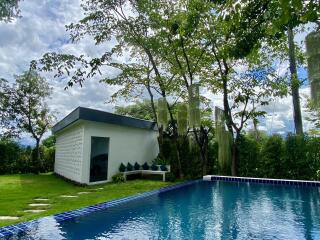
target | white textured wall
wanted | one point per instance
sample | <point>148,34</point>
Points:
<point>127,144</point>
<point>69,152</point>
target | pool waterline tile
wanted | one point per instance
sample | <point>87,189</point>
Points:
<point>286,182</point>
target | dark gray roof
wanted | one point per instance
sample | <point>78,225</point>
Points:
<point>88,114</point>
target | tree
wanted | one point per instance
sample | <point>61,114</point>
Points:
<point>6,123</point>
<point>139,109</point>
<point>106,19</point>
<point>243,64</point>
<point>288,15</point>
<point>28,109</point>
<point>314,117</point>
<point>9,10</point>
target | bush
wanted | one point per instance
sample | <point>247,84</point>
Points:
<point>145,166</point>
<point>129,167</point>
<point>159,161</point>
<point>154,167</point>
<point>118,178</point>
<point>170,177</point>
<point>296,157</point>
<point>136,166</point>
<point>272,164</point>
<point>122,168</point>
<point>249,155</point>
<point>163,168</point>
<point>47,155</point>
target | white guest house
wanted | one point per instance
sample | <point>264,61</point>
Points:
<point>91,144</point>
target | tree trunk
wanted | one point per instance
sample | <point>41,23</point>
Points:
<point>36,165</point>
<point>180,173</point>
<point>235,156</point>
<point>294,84</point>
<point>202,141</point>
<point>204,153</point>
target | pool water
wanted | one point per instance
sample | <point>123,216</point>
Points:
<point>203,210</point>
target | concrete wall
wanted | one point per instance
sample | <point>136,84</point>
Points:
<point>69,152</point>
<point>126,144</point>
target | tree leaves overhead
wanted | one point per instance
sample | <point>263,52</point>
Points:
<point>9,10</point>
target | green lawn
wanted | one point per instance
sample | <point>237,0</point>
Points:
<point>17,191</point>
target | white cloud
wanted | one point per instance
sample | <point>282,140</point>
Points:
<point>42,29</point>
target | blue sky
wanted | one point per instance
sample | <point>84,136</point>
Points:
<point>42,29</point>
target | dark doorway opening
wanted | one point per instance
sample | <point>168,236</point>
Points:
<point>99,159</point>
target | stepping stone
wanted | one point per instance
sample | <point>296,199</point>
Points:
<point>68,196</point>
<point>41,199</point>
<point>96,189</point>
<point>8,218</point>
<point>38,204</point>
<point>80,193</point>
<point>35,210</point>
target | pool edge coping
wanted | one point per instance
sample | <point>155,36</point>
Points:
<point>287,182</point>
<point>23,227</point>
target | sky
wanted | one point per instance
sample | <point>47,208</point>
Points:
<point>41,29</point>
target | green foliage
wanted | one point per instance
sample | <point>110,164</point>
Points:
<point>145,166</point>
<point>318,175</point>
<point>118,178</point>
<point>9,10</point>
<point>272,155</point>
<point>141,110</point>
<point>170,177</point>
<point>295,157</point>
<point>18,159</point>
<point>47,156</point>
<point>26,106</point>
<point>136,166</point>
<point>159,161</point>
<point>11,156</point>
<point>122,168</point>
<point>249,156</point>
<point>129,167</point>
<point>49,142</point>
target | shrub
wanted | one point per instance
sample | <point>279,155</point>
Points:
<point>249,151</point>
<point>145,166</point>
<point>296,157</point>
<point>159,161</point>
<point>163,168</point>
<point>129,167</point>
<point>122,167</point>
<point>272,164</point>
<point>170,177</point>
<point>136,166</point>
<point>118,178</point>
<point>154,167</point>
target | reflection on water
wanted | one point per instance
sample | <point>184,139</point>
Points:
<point>205,210</point>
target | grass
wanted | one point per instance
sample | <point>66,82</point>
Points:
<point>17,191</point>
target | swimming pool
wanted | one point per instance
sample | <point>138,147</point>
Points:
<point>197,210</point>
